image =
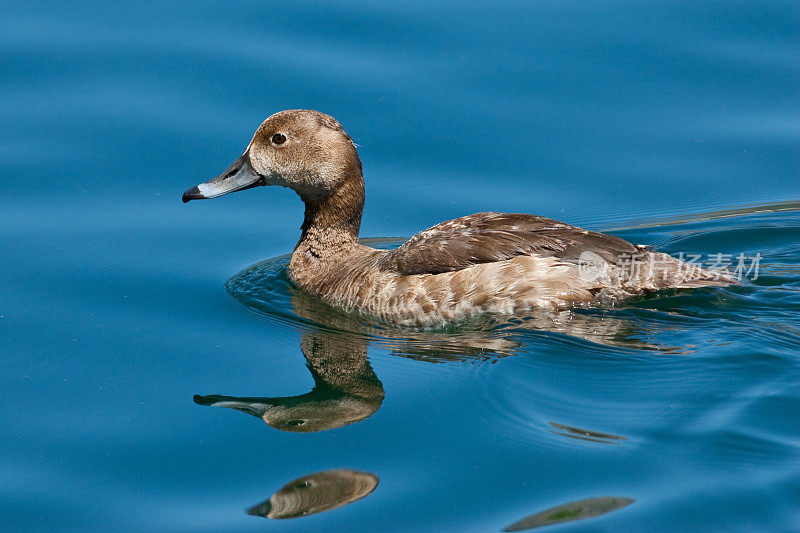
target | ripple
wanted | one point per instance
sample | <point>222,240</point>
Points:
<point>679,220</point>
<point>264,288</point>
<point>625,376</point>
<point>669,322</point>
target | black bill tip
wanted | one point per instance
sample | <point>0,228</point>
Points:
<point>262,509</point>
<point>206,400</point>
<point>192,194</point>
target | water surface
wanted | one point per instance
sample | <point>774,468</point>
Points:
<point>125,316</point>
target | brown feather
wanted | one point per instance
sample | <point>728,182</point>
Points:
<point>488,237</point>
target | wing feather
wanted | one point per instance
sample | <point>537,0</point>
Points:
<point>489,237</point>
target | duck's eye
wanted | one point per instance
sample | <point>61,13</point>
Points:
<point>278,138</point>
<point>295,423</point>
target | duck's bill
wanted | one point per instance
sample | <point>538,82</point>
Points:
<point>252,406</point>
<point>239,176</point>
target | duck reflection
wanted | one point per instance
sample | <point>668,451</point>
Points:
<point>586,434</point>
<point>346,389</point>
<point>316,493</point>
<point>567,512</point>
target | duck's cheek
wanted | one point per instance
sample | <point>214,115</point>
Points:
<point>278,179</point>
<point>262,161</point>
<point>270,170</point>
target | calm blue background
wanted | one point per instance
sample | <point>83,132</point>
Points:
<point>644,117</point>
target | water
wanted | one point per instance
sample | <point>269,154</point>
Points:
<point>123,311</point>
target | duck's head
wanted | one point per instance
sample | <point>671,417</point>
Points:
<point>304,150</point>
<point>317,410</point>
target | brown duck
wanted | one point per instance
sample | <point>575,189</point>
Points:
<point>482,263</point>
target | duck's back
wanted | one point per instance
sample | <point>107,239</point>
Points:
<point>490,237</point>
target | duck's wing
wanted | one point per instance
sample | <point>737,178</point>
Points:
<point>489,237</point>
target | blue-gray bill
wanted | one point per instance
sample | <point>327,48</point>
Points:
<point>237,177</point>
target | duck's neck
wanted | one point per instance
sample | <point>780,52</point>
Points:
<point>333,220</point>
<point>339,362</point>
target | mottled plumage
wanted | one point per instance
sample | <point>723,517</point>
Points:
<point>486,262</point>
<point>489,237</point>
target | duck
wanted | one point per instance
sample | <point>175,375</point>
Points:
<point>484,263</point>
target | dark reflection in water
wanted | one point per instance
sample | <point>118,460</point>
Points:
<point>567,512</point>
<point>586,434</point>
<point>316,493</point>
<point>346,390</point>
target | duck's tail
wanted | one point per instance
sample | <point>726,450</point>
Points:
<point>666,271</point>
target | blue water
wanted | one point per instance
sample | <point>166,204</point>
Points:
<point>674,124</point>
